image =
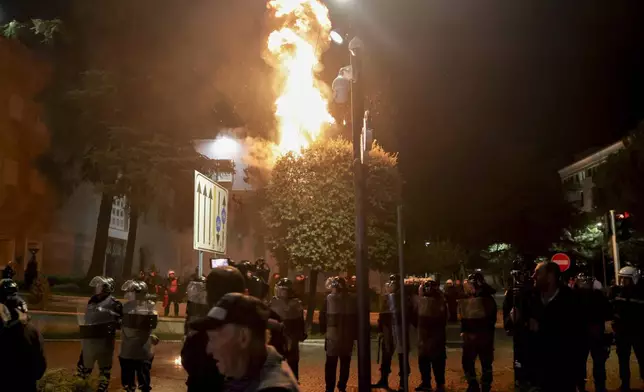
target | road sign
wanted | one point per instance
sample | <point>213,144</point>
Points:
<point>562,260</point>
<point>211,213</point>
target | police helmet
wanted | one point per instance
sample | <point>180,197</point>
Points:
<point>135,286</point>
<point>583,279</point>
<point>339,283</point>
<point>284,283</point>
<point>103,283</point>
<point>630,272</point>
<point>476,278</point>
<point>429,287</point>
<point>283,287</point>
<point>7,288</point>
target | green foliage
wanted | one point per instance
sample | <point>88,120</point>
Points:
<point>46,30</point>
<point>310,212</point>
<point>499,257</point>
<point>442,257</point>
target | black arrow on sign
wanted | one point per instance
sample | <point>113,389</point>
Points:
<point>198,210</point>
<point>210,217</point>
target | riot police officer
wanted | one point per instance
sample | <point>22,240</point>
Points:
<point>291,313</point>
<point>22,362</point>
<point>197,304</point>
<point>628,324</point>
<point>478,318</point>
<point>432,313</point>
<point>139,320</point>
<point>97,331</point>
<point>9,296</point>
<point>390,324</point>
<point>338,320</point>
<point>595,311</point>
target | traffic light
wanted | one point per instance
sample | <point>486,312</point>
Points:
<point>623,226</point>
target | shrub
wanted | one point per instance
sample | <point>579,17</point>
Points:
<point>64,380</point>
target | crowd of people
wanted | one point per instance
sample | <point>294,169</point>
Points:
<point>555,329</point>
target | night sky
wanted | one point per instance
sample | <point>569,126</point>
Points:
<point>479,97</point>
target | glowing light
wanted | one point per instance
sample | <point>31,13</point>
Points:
<point>336,37</point>
<point>225,147</point>
<point>177,361</point>
<point>294,50</point>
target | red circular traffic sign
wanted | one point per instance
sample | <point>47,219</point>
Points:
<point>562,260</point>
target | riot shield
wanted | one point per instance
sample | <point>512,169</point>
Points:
<point>196,292</point>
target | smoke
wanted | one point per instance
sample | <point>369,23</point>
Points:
<point>259,158</point>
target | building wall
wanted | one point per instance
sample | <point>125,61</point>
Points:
<point>578,176</point>
<point>25,199</point>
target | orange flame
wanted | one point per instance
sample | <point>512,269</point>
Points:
<point>294,50</point>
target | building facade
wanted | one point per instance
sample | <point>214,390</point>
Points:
<point>578,176</point>
<point>25,200</point>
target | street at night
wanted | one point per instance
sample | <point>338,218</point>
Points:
<point>167,376</point>
<point>352,179</point>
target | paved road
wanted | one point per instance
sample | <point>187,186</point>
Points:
<point>170,377</point>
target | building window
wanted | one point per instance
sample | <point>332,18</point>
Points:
<point>118,215</point>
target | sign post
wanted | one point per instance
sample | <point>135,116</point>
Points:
<point>562,260</point>
<point>210,217</point>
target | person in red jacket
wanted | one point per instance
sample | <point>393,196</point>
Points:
<point>174,296</point>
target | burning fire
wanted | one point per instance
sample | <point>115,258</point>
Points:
<point>294,50</point>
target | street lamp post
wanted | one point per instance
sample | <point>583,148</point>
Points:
<point>359,129</point>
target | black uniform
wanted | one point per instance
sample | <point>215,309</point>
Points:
<point>392,329</point>
<point>478,320</point>
<point>595,310</point>
<point>102,319</point>
<point>22,362</point>
<point>522,338</point>
<point>338,320</point>
<point>291,314</point>
<point>628,325</point>
<point>432,315</point>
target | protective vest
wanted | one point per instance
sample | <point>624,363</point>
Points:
<point>139,319</point>
<point>291,313</point>
<point>629,311</point>
<point>477,313</point>
<point>174,286</point>
<point>101,319</point>
<point>341,328</point>
<point>432,319</point>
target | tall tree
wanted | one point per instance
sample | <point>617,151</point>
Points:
<point>310,212</point>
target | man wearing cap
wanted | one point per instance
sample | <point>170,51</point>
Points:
<point>236,330</point>
<point>201,367</point>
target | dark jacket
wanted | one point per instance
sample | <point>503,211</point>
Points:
<point>23,362</point>
<point>556,338</point>
<point>203,374</point>
<point>201,367</point>
<point>274,376</point>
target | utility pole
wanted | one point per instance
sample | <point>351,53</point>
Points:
<point>358,124</point>
<point>614,245</point>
